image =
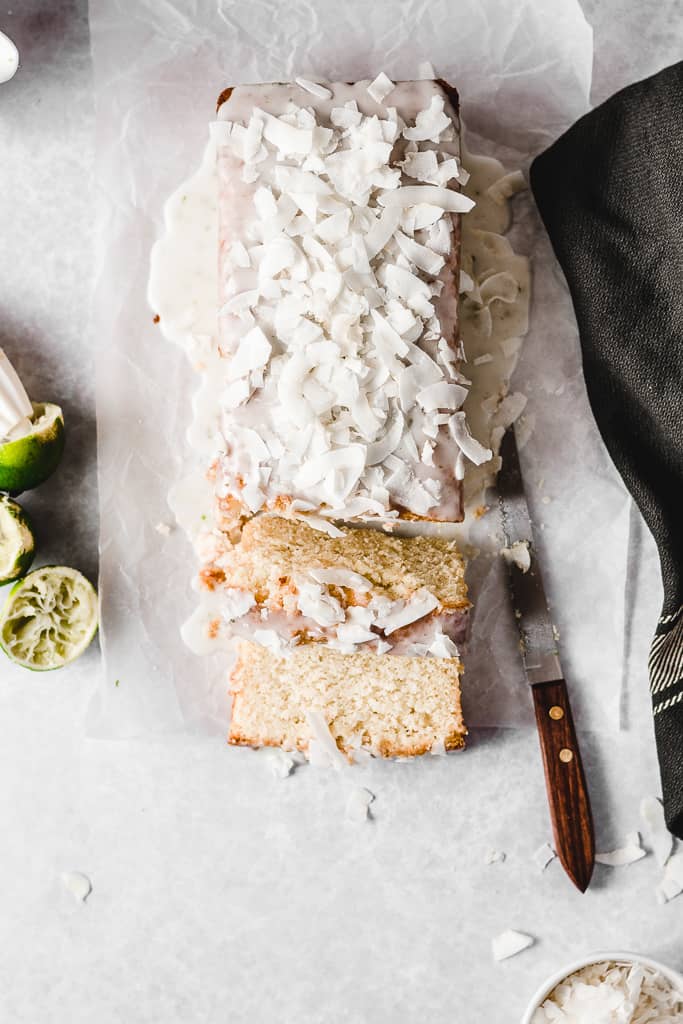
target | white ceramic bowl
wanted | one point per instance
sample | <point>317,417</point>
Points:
<point>546,988</point>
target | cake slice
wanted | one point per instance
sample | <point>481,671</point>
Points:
<point>391,707</point>
<point>286,584</point>
<point>339,238</point>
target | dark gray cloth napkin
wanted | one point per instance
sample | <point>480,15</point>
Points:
<point>610,192</point>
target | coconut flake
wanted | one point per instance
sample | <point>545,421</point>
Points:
<point>78,884</point>
<point>287,138</point>
<point>380,88</point>
<point>410,195</point>
<point>281,763</point>
<point>468,445</point>
<point>423,258</point>
<point>441,396</point>
<point>270,639</point>
<point>341,578</point>
<point>313,601</point>
<point>322,747</point>
<point>518,554</point>
<point>252,354</point>
<point>510,943</point>
<point>164,529</point>
<point>318,523</point>
<point>403,613</point>
<point>629,853</point>
<point>443,647</point>
<point>358,804</point>
<point>430,123</point>
<point>544,856</point>
<point>671,884</point>
<point>314,88</point>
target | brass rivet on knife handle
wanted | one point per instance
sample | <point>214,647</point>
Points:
<point>568,800</point>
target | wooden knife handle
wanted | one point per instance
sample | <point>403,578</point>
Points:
<point>570,809</point>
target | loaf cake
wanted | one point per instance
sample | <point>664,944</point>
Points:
<point>286,584</point>
<point>391,707</point>
<point>339,240</point>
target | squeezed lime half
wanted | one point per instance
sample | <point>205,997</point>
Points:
<point>28,460</point>
<point>17,542</point>
<point>49,618</point>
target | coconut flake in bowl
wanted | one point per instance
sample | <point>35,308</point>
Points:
<point>610,989</point>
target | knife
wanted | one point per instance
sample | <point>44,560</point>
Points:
<point>570,810</point>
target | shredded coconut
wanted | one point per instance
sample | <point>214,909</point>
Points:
<point>510,943</point>
<point>627,854</point>
<point>612,993</point>
<point>518,554</point>
<point>544,856</point>
<point>78,884</point>
<point>358,804</point>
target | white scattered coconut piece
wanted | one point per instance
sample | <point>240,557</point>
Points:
<point>315,88</point>
<point>358,804</point>
<point>671,884</point>
<point>544,856</point>
<point>485,357</point>
<point>164,529</point>
<point>281,763</point>
<point>627,854</point>
<point>9,58</point>
<point>380,88</point>
<point>78,884</point>
<point>495,856</point>
<point>510,943</point>
<point>661,840</point>
<point>322,748</point>
<point>518,554</point>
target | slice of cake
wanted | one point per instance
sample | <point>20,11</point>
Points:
<point>339,236</point>
<point>286,584</point>
<point>317,697</point>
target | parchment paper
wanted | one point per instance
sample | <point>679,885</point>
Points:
<point>523,77</point>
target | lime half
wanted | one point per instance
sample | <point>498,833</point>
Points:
<point>17,543</point>
<point>49,618</point>
<point>28,460</point>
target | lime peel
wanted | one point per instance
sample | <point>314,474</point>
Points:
<point>28,460</point>
<point>49,618</point>
<point>17,542</point>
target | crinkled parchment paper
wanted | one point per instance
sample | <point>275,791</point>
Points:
<point>523,75</point>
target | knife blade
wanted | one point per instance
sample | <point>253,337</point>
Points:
<point>568,798</point>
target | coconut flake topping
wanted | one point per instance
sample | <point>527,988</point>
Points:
<point>339,376</point>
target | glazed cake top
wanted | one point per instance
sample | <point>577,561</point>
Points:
<point>338,264</point>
